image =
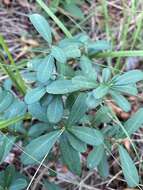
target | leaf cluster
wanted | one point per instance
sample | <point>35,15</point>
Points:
<point>64,86</point>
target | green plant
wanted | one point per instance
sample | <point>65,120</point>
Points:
<point>61,98</point>
<point>64,86</point>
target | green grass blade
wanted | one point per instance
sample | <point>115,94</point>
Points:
<point>8,71</point>
<point>113,54</point>
<point>125,29</point>
<point>138,30</point>
<point>107,26</point>
<point>8,122</point>
<point>20,83</point>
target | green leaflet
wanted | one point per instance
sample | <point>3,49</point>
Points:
<point>34,95</point>
<point>83,38</point>
<point>128,167</point>
<point>78,109</point>
<point>45,69</point>
<point>18,184</point>
<point>76,143</point>
<point>103,167</point>
<point>58,54</point>
<point>135,122</point>
<point>46,99</point>
<point>100,91</point>
<point>51,186</point>
<point>33,64</point>
<point>17,108</point>
<point>95,47</point>
<point>84,82</point>
<point>62,87</point>
<point>42,26</point>
<point>6,144</point>
<point>103,115</point>
<point>72,51</point>
<point>37,129</point>
<point>70,100</point>
<point>12,180</point>
<point>129,77</point>
<point>39,147</point>
<point>9,175</point>
<point>74,10</point>
<point>106,74</point>
<point>95,156</point>
<point>65,70</point>
<point>88,135</point>
<point>91,101</point>
<point>126,89</point>
<point>87,68</point>
<point>37,111</point>
<point>55,110</point>
<point>69,42</point>
<point>29,77</point>
<point>7,84</point>
<point>6,100</point>
<point>70,156</point>
<point>121,101</point>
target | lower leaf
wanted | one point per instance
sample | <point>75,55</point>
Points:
<point>70,156</point>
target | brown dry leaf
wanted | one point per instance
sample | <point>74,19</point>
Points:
<point>119,112</point>
<point>22,53</point>
<point>30,42</point>
<point>64,169</point>
<point>64,173</point>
